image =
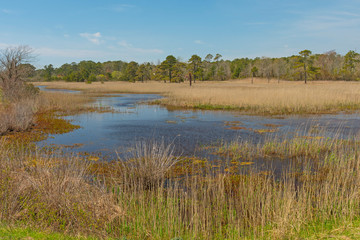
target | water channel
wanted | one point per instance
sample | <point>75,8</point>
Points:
<point>133,120</point>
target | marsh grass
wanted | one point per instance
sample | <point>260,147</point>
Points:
<point>147,163</point>
<point>32,119</point>
<point>247,203</point>
<point>49,191</point>
<point>67,103</point>
<point>261,98</point>
<point>64,193</point>
<point>17,116</point>
<point>21,115</point>
<point>153,195</point>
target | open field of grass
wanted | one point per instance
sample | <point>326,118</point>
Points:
<point>259,98</point>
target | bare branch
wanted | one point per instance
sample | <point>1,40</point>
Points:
<point>11,72</point>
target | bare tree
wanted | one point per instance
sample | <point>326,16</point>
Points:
<point>266,68</point>
<point>279,68</point>
<point>11,72</point>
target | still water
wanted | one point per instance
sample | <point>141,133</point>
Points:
<point>133,120</point>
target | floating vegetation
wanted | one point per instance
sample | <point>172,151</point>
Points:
<point>265,130</point>
<point>238,128</point>
<point>73,146</point>
<point>232,123</point>
<point>272,125</point>
<point>182,117</point>
<point>171,122</point>
<point>45,124</point>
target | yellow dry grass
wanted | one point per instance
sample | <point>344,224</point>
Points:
<point>64,102</point>
<point>258,98</point>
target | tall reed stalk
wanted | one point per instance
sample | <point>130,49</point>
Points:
<point>148,200</point>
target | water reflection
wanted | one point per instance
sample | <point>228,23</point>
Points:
<point>43,88</point>
<point>132,121</point>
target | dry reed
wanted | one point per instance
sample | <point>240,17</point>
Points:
<point>49,191</point>
<point>259,98</point>
<point>17,116</point>
<point>62,102</point>
<point>147,163</point>
<point>249,204</point>
<point>43,189</point>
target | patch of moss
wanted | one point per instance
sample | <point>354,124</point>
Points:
<point>45,124</point>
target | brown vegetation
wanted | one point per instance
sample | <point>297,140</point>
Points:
<point>11,72</point>
<point>16,116</point>
<point>46,190</point>
<point>40,113</point>
<point>259,98</point>
<point>64,193</point>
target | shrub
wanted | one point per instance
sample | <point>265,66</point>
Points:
<point>17,116</point>
<point>148,162</point>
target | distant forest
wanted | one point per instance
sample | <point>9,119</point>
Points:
<point>305,66</point>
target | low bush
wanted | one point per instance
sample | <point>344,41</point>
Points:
<point>54,192</point>
<point>17,116</point>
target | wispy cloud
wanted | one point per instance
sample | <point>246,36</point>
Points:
<point>78,53</point>
<point>256,23</point>
<point>124,44</point>
<point>92,54</point>
<point>8,11</point>
<point>199,42</point>
<point>322,30</point>
<point>345,13</point>
<point>329,24</point>
<point>4,45</point>
<point>122,7</point>
<point>92,37</point>
<point>130,47</point>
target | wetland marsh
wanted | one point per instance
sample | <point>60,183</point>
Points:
<point>133,119</point>
<point>129,167</point>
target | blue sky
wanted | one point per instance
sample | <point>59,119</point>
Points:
<point>147,31</point>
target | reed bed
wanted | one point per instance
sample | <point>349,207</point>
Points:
<point>47,191</point>
<point>259,98</point>
<point>64,193</point>
<point>22,115</point>
<point>65,103</point>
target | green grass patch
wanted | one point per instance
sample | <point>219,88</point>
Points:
<point>332,229</point>
<point>7,232</point>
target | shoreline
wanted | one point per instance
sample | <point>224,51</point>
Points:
<point>262,99</point>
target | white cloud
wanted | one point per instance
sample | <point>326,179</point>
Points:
<point>198,42</point>
<point>92,37</point>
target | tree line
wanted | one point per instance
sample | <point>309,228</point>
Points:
<point>304,66</point>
